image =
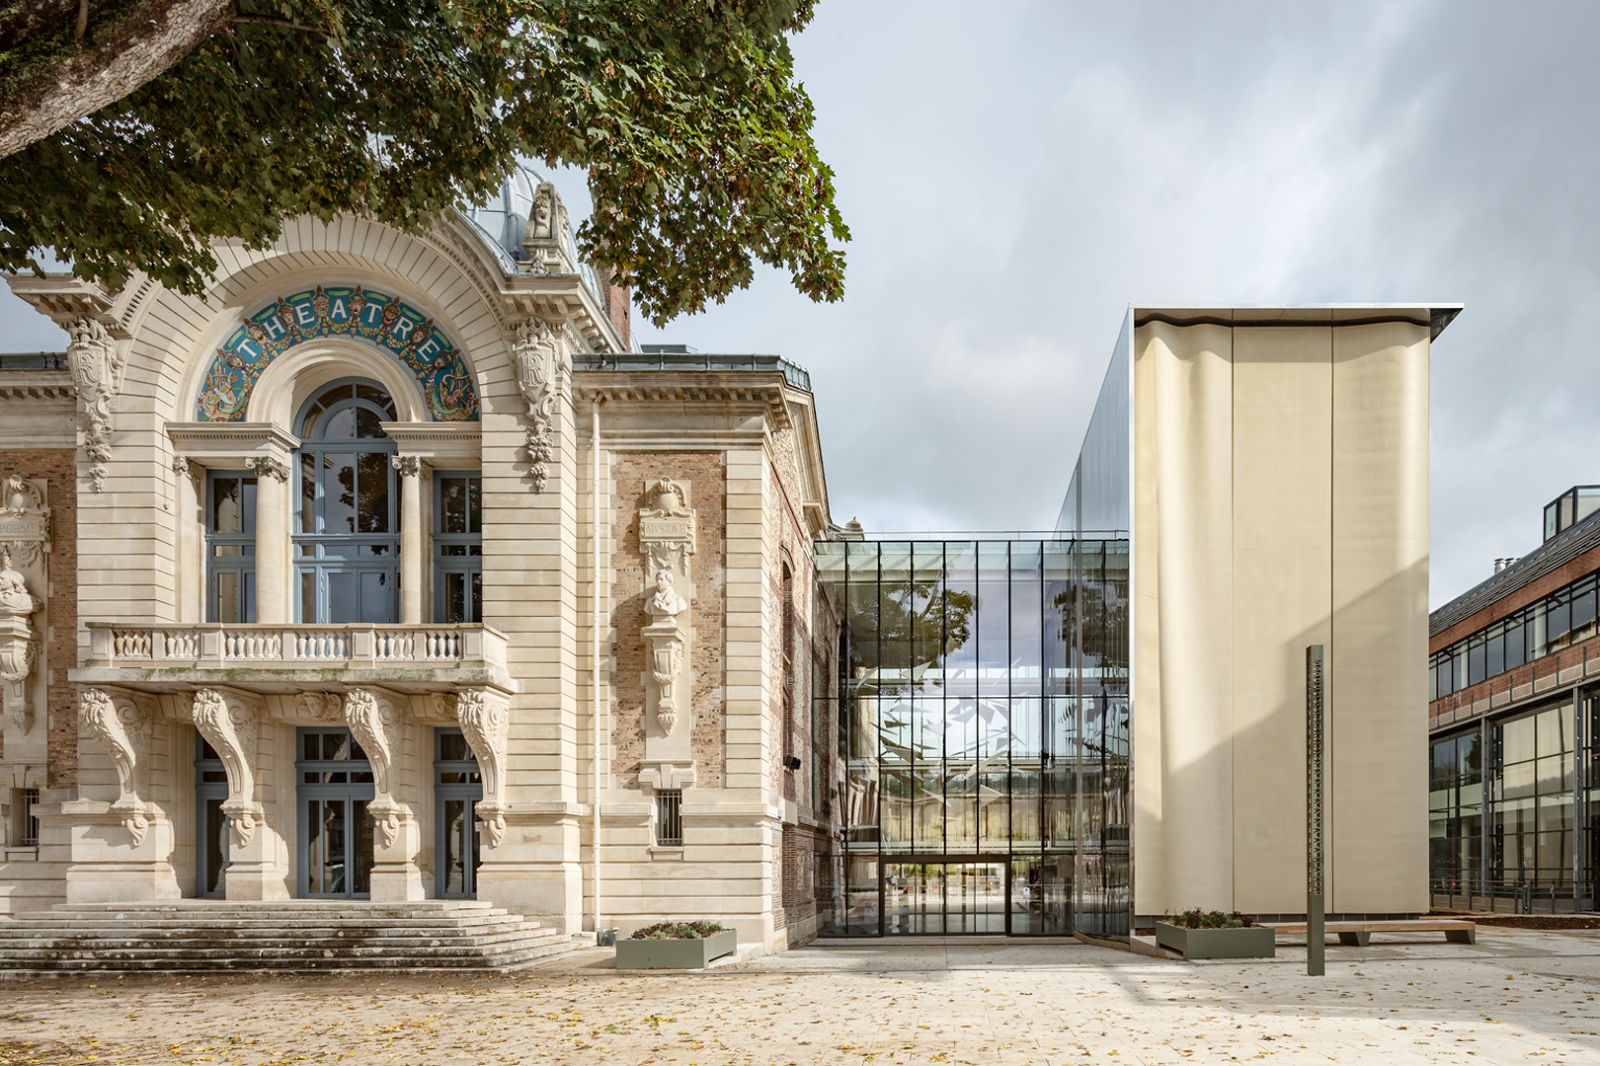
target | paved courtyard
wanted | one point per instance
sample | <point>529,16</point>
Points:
<point>1515,997</point>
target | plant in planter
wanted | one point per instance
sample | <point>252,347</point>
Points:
<point>1202,934</point>
<point>675,945</point>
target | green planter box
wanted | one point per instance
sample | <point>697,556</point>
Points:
<point>675,954</point>
<point>1250,942</point>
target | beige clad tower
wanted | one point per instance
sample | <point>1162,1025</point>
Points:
<point>1272,467</point>
<point>347,577</point>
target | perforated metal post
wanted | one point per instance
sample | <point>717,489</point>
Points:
<point>1315,937</point>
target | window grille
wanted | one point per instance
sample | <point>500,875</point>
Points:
<point>28,820</point>
<point>669,818</point>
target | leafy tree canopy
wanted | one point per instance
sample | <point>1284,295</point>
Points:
<point>685,115</point>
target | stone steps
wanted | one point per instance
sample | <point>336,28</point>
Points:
<point>285,936</point>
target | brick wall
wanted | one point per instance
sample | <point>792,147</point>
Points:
<point>705,475</point>
<point>59,467</point>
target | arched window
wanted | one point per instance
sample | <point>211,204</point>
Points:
<point>347,521</point>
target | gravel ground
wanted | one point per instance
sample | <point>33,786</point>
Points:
<point>1516,996</point>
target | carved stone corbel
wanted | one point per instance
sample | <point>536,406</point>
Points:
<point>375,719</point>
<point>540,353</point>
<point>123,727</point>
<point>231,724</point>
<point>97,370</point>
<point>486,723</point>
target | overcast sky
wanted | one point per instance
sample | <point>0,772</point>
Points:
<point>1016,174</point>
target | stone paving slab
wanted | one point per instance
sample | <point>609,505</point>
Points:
<point>1514,997</point>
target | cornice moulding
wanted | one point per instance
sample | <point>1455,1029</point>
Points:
<point>438,443</point>
<point>229,440</point>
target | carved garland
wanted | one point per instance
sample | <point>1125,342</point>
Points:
<point>123,728</point>
<point>540,353</point>
<point>486,723</point>
<point>231,725</point>
<point>375,721</point>
<point>97,371</point>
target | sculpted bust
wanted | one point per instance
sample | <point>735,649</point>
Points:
<point>666,602</point>
<point>14,595</point>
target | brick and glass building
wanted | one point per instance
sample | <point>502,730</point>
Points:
<point>1512,722</point>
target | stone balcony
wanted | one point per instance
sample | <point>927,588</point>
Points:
<point>285,658</point>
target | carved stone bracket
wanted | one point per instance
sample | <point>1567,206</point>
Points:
<point>267,466</point>
<point>97,370</point>
<point>231,724</point>
<point>486,723</point>
<point>375,719</point>
<point>18,649</point>
<point>540,353</point>
<point>123,727</point>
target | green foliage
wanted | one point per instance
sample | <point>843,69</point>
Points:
<point>1196,918</point>
<point>684,114</point>
<point>677,931</point>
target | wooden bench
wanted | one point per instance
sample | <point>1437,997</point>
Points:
<point>1359,934</point>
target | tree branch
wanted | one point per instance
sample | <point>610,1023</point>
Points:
<point>47,95</point>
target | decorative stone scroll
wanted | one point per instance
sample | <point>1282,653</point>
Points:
<point>541,356</point>
<point>97,371</point>
<point>18,648</point>
<point>231,724</point>
<point>375,720</point>
<point>667,538</point>
<point>385,322</point>
<point>123,728</point>
<point>486,723</point>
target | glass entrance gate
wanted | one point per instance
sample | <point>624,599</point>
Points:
<point>980,697</point>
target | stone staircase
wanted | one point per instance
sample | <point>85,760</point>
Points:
<point>321,936</point>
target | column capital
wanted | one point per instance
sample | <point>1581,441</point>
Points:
<point>268,466</point>
<point>408,465</point>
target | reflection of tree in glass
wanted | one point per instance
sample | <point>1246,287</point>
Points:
<point>918,625</point>
<point>1104,622</point>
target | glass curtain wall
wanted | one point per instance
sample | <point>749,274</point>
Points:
<point>968,672</point>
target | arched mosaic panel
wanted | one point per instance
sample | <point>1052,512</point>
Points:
<point>383,321</point>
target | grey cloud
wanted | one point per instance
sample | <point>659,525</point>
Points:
<point>1015,174</point>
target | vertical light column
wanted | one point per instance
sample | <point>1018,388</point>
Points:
<point>1377,678</point>
<point>411,568</point>
<point>1183,672</point>
<point>272,538</point>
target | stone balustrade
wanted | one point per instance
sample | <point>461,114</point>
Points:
<point>262,651</point>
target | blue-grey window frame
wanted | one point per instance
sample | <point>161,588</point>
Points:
<point>469,564</point>
<point>243,564</point>
<point>317,562</point>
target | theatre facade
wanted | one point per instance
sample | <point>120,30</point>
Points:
<point>391,569</point>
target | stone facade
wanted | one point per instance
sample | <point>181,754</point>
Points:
<point>568,687</point>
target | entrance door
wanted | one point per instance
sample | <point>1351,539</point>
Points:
<point>335,831</point>
<point>211,825</point>
<point>457,788</point>
<point>965,896</point>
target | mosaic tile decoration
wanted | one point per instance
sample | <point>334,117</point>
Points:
<point>383,321</point>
